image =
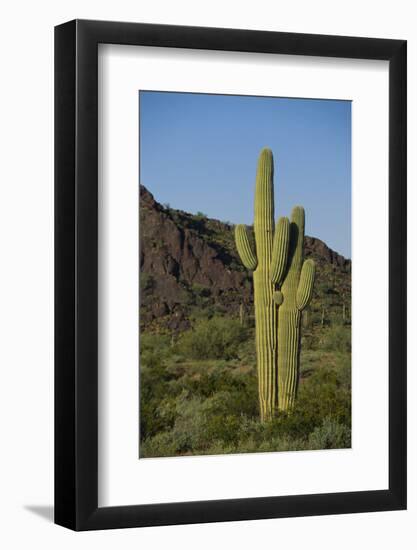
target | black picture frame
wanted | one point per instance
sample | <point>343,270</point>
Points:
<point>76,272</point>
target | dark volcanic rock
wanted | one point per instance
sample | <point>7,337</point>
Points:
<point>178,262</point>
<point>318,249</point>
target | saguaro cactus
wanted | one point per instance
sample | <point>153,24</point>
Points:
<point>268,264</point>
<point>296,292</point>
<point>283,286</point>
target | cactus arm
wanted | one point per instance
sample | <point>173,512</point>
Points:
<point>280,250</point>
<point>290,315</point>
<point>297,238</point>
<point>305,286</point>
<point>244,248</point>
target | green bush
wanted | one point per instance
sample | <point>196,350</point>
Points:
<point>154,348</point>
<point>216,338</point>
<point>337,338</point>
<point>330,435</point>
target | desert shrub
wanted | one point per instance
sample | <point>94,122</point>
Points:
<point>337,338</point>
<point>309,339</point>
<point>154,408</point>
<point>216,338</point>
<point>186,434</point>
<point>154,348</point>
<point>154,381</point>
<point>151,423</point>
<point>330,435</point>
<point>227,429</point>
<point>188,430</point>
<point>159,445</point>
<point>324,394</point>
<point>197,423</point>
<point>222,417</point>
<point>217,380</point>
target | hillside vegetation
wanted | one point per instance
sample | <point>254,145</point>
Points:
<point>198,384</point>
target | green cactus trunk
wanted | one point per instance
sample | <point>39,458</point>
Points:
<point>288,362</point>
<point>296,293</point>
<point>265,309</point>
<point>266,322</point>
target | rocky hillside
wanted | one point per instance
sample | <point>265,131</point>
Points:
<point>189,268</point>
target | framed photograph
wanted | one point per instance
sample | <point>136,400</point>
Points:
<point>230,244</point>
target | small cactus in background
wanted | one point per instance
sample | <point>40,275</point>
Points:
<point>282,289</point>
<point>242,314</point>
<point>268,264</point>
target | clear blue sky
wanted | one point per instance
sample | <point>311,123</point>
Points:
<point>198,152</point>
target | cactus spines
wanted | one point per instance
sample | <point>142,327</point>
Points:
<point>297,289</point>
